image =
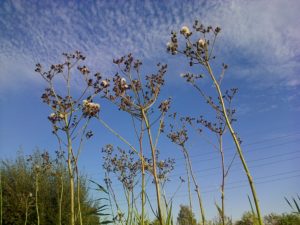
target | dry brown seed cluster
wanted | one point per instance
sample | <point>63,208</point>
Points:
<point>90,109</point>
<point>84,70</point>
<point>123,164</point>
<point>128,91</point>
<point>196,51</point>
<point>172,46</point>
<point>165,105</point>
<point>179,136</point>
<point>55,117</point>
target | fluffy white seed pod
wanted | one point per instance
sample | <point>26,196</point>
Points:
<point>104,83</point>
<point>201,43</point>
<point>85,102</point>
<point>185,30</point>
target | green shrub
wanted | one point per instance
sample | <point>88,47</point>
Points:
<point>18,190</point>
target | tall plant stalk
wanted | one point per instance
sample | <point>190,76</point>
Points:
<point>223,179</point>
<point>78,196</point>
<point>36,197</point>
<point>179,136</point>
<point>26,211</point>
<point>1,198</point>
<point>131,96</point>
<point>188,181</point>
<point>236,141</point>
<point>143,192</point>
<point>60,200</point>
<point>197,188</point>
<point>67,115</point>
<point>154,166</point>
<point>200,52</point>
<point>71,175</point>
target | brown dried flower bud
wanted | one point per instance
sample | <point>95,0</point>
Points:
<point>90,109</point>
<point>104,83</point>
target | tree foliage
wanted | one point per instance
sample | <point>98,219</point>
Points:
<point>186,216</point>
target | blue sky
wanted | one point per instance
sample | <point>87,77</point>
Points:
<point>259,41</point>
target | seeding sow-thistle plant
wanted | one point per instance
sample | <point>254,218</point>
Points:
<point>137,96</point>
<point>39,169</point>
<point>179,136</point>
<point>198,49</point>
<point>72,110</point>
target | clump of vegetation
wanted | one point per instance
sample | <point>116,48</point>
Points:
<point>21,199</point>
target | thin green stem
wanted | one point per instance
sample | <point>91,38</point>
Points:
<point>188,182</point>
<point>237,143</point>
<point>71,174</point>
<point>78,195</point>
<point>60,199</point>
<point>1,198</point>
<point>117,134</point>
<point>143,175</point>
<point>26,211</point>
<point>196,185</point>
<point>36,197</point>
<point>153,152</point>
<point>223,179</point>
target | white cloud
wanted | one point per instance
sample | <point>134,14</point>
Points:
<point>264,34</point>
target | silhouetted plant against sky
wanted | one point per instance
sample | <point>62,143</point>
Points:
<point>137,96</point>
<point>198,49</point>
<point>72,110</point>
<point>178,134</point>
<point>217,127</point>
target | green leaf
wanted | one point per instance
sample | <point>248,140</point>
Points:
<point>220,211</point>
<point>169,216</point>
<point>100,187</point>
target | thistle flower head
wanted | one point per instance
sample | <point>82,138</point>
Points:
<point>54,117</point>
<point>185,30</point>
<point>104,83</point>
<point>170,45</point>
<point>201,43</point>
<point>90,109</point>
<point>123,80</point>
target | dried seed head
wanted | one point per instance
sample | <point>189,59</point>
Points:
<point>170,45</point>
<point>123,83</point>
<point>201,43</point>
<point>54,117</point>
<point>90,109</point>
<point>123,80</point>
<point>217,30</point>
<point>185,30</point>
<point>104,83</point>
<point>165,105</point>
<point>84,70</point>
